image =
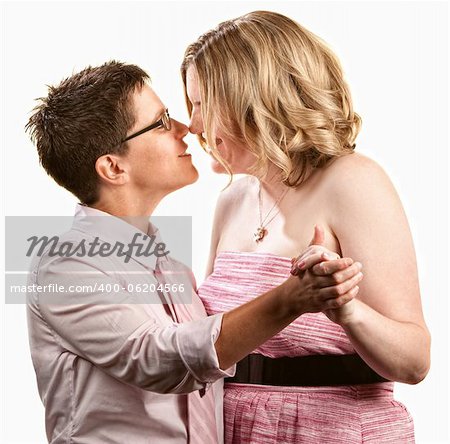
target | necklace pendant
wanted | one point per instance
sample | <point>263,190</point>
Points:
<point>259,235</point>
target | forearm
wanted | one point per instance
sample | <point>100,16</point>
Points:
<point>251,324</point>
<point>248,326</point>
<point>398,351</point>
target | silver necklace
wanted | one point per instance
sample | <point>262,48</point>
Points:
<point>261,231</point>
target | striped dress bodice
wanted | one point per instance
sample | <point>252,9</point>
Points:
<point>240,277</point>
<point>263,414</point>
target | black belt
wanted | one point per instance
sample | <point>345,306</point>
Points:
<point>315,370</point>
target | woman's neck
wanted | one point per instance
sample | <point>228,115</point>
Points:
<point>272,182</point>
<point>134,210</point>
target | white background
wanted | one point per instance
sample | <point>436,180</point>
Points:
<point>395,58</point>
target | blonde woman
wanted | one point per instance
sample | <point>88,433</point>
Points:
<point>268,99</point>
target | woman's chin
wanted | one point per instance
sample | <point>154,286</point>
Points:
<point>217,167</point>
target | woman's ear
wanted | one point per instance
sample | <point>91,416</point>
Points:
<point>112,169</point>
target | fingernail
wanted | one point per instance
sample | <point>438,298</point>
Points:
<point>301,264</point>
<point>294,271</point>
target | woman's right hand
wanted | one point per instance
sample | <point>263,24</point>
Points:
<point>337,284</point>
<point>327,281</point>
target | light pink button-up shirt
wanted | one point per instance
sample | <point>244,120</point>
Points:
<point>118,372</point>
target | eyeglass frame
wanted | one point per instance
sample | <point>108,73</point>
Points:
<point>164,121</point>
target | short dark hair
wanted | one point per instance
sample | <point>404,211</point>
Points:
<point>86,116</point>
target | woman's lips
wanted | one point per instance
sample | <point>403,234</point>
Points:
<point>184,153</point>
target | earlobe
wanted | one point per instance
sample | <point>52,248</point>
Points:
<point>111,169</point>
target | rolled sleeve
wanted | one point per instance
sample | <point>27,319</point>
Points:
<point>124,340</point>
<point>195,341</point>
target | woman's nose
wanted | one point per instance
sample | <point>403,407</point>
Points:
<point>181,129</point>
<point>196,124</point>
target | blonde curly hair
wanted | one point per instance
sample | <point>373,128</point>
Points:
<point>274,86</point>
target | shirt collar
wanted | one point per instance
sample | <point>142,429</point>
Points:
<point>112,229</point>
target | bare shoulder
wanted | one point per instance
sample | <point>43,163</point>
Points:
<point>228,203</point>
<point>233,196</point>
<point>355,174</point>
<point>365,213</point>
<point>354,165</point>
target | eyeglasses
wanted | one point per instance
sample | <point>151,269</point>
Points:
<point>164,121</point>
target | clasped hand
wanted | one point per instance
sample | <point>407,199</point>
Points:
<point>328,283</point>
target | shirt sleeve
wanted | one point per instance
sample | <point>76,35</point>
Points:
<point>122,338</point>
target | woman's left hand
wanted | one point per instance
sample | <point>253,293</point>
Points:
<point>315,253</point>
<point>341,315</point>
<point>314,258</point>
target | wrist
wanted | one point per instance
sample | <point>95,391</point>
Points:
<point>289,303</point>
<point>353,316</point>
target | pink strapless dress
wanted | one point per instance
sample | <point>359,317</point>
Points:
<point>268,414</point>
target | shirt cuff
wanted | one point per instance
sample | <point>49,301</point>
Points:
<point>195,342</point>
